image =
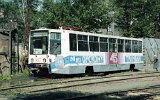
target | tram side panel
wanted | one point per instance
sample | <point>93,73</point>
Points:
<point>101,62</point>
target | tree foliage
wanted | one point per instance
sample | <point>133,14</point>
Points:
<point>136,18</point>
<point>87,14</point>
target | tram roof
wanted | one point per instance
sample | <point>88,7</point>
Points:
<point>86,33</point>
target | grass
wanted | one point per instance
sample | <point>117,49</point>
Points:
<point>7,76</point>
<point>24,73</point>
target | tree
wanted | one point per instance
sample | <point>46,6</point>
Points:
<point>92,14</point>
<point>27,9</point>
<point>138,18</point>
<point>87,14</point>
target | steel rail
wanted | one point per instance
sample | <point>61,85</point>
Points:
<point>91,83</point>
<point>76,80</point>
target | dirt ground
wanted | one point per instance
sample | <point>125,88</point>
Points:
<point>100,88</point>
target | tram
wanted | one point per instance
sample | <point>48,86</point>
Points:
<point>62,51</point>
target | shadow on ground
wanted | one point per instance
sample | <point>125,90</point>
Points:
<point>63,95</point>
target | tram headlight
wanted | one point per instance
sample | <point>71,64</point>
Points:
<point>50,60</point>
<point>44,60</point>
<point>32,60</point>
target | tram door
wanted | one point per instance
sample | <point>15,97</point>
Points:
<point>113,51</point>
<point>55,43</point>
<point>55,49</point>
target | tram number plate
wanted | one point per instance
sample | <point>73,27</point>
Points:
<point>37,59</point>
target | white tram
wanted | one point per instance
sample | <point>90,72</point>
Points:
<point>74,52</point>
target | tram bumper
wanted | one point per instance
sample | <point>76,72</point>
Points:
<point>37,67</point>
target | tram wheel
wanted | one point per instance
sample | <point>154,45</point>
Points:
<point>132,68</point>
<point>89,71</point>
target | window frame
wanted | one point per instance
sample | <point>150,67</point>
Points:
<point>56,43</point>
<point>32,35</point>
<point>112,44</point>
<point>120,42</point>
<point>76,42</point>
<point>103,40</point>
<point>128,46</point>
<point>84,42</point>
<point>94,43</point>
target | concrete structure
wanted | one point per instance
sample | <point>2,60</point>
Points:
<point>4,52</point>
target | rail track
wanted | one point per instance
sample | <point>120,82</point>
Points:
<point>75,83</point>
<point>73,80</point>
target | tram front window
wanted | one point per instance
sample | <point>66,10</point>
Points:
<point>39,43</point>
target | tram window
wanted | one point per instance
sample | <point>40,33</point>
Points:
<point>39,45</point>
<point>127,45</point>
<point>58,36</point>
<point>135,46</point>
<point>120,45</point>
<point>103,44</point>
<point>73,42</point>
<point>39,42</point>
<point>140,46</point>
<point>55,43</point>
<point>112,45</point>
<point>93,43</point>
<point>82,43</point>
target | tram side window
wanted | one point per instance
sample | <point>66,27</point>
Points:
<point>127,45</point>
<point>73,42</point>
<point>120,45</point>
<point>103,44</point>
<point>55,43</point>
<point>112,45</point>
<point>140,46</point>
<point>82,43</point>
<point>93,43</point>
<point>135,46</point>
